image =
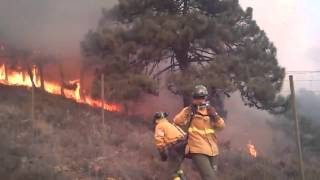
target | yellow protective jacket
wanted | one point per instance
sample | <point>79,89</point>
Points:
<point>201,138</point>
<point>167,133</point>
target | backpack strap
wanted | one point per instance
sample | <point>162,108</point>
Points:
<point>179,129</point>
<point>190,118</point>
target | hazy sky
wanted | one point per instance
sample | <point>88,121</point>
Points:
<point>293,25</point>
<point>52,25</point>
<point>59,25</point>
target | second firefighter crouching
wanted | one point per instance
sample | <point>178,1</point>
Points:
<point>170,141</point>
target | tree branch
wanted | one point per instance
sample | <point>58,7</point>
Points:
<point>152,68</point>
<point>203,56</point>
<point>201,60</point>
<point>172,90</point>
<point>164,70</point>
<point>204,51</point>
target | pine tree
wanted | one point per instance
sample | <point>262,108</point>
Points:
<point>212,42</point>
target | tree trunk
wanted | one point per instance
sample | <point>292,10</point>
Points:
<point>6,72</point>
<point>61,79</point>
<point>182,58</point>
<point>186,100</point>
<point>185,7</point>
<point>82,73</point>
<point>40,66</point>
<point>186,97</point>
<point>29,70</point>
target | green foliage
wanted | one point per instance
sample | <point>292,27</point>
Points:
<point>194,41</point>
<point>125,86</point>
<point>123,82</point>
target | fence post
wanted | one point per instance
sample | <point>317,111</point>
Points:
<point>295,116</point>
<point>102,98</point>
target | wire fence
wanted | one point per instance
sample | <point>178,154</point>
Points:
<point>308,80</point>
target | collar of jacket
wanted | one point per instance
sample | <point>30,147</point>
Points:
<point>161,120</point>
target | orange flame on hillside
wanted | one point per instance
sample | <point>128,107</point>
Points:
<point>21,78</point>
<point>252,150</point>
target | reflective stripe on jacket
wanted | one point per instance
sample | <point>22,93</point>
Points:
<point>202,130</point>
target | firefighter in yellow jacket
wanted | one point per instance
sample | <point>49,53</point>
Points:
<point>202,122</point>
<point>169,140</point>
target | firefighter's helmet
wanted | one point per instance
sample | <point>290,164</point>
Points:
<point>159,115</point>
<point>200,91</point>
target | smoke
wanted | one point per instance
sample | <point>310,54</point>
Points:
<point>272,135</point>
<point>244,124</point>
<point>53,26</point>
<point>309,105</point>
<point>149,104</point>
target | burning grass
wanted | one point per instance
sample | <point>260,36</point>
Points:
<point>20,77</point>
<point>252,151</point>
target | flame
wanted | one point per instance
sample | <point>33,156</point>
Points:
<point>21,78</point>
<point>252,150</point>
<point>2,72</point>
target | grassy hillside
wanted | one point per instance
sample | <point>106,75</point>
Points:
<point>67,141</point>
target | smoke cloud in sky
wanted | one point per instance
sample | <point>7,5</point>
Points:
<point>55,26</point>
<point>293,26</point>
<point>58,26</point>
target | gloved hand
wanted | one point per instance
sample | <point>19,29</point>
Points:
<point>213,113</point>
<point>194,108</point>
<point>163,155</point>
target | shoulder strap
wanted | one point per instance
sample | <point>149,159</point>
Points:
<point>179,129</point>
<point>189,121</point>
<point>190,118</point>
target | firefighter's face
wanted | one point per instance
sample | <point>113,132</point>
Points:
<point>198,101</point>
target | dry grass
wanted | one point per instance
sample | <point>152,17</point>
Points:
<point>68,141</point>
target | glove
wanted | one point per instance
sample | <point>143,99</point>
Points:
<point>212,113</point>
<point>194,108</point>
<point>163,155</point>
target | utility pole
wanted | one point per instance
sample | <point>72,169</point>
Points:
<point>32,113</point>
<point>102,113</point>
<point>295,116</point>
<point>102,98</point>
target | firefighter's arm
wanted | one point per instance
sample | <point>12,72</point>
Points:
<point>160,142</point>
<point>181,118</point>
<point>159,137</point>
<point>219,123</point>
